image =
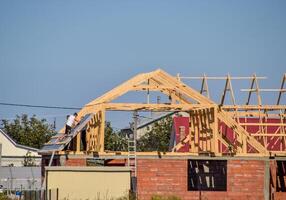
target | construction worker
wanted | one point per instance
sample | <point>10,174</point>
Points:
<point>70,123</point>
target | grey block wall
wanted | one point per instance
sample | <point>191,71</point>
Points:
<point>15,178</point>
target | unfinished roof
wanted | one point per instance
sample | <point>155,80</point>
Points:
<point>59,142</point>
<point>205,115</point>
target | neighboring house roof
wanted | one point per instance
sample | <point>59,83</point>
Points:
<point>155,119</point>
<point>148,121</point>
<point>16,144</point>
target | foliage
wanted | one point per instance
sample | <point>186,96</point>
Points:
<point>130,196</point>
<point>114,140</point>
<point>29,160</point>
<point>3,197</point>
<point>157,137</point>
<point>27,131</point>
<point>158,197</point>
<point>106,196</point>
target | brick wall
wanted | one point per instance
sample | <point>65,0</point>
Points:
<point>161,177</point>
<point>278,180</point>
<point>75,162</point>
<point>245,180</point>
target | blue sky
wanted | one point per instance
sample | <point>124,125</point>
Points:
<point>66,53</point>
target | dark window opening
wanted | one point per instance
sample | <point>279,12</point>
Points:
<point>281,176</point>
<point>71,146</point>
<point>207,175</point>
<point>83,141</point>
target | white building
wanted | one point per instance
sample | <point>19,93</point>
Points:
<point>13,154</point>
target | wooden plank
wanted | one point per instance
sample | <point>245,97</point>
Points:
<point>102,129</point>
<point>122,88</point>
<point>215,133</point>
<point>218,77</point>
<point>152,107</point>
<point>262,124</point>
<point>254,107</point>
<point>223,116</point>
<point>78,142</point>
<point>151,88</point>
<point>269,134</point>
<point>184,88</point>
<point>182,97</point>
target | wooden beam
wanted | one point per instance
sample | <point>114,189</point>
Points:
<point>218,77</point>
<point>78,138</point>
<point>101,131</point>
<point>205,87</point>
<point>262,124</point>
<point>243,114</point>
<point>123,88</point>
<point>254,107</point>
<point>183,88</point>
<point>215,133</point>
<point>269,134</point>
<point>263,90</point>
<point>282,87</point>
<point>228,87</point>
<point>151,88</point>
<point>153,107</point>
<point>223,116</point>
<point>181,97</point>
<point>181,143</point>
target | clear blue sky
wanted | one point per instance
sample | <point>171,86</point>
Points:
<point>66,53</point>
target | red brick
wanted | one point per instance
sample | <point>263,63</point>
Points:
<point>245,179</point>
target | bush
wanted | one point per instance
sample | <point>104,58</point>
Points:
<point>130,196</point>
<point>3,197</point>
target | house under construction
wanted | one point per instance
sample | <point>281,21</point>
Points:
<point>220,151</point>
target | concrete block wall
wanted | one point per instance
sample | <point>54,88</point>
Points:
<point>167,177</point>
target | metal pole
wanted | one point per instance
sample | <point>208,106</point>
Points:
<point>135,118</point>
<point>134,179</point>
<point>0,154</point>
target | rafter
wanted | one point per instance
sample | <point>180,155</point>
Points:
<point>206,113</point>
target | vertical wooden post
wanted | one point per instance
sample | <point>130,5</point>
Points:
<point>228,87</point>
<point>101,131</point>
<point>204,86</point>
<point>257,90</point>
<point>78,140</point>
<point>207,122</point>
<point>214,126</point>
<point>91,134</point>
<point>96,144</point>
<point>281,91</point>
<point>192,132</point>
<point>244,147</point>
<point>195,130</point>
<point>201,134</point>
<point>88,135</point>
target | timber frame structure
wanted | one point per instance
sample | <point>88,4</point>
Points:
<point>206,116</point>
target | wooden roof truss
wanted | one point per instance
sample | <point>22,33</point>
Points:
<point>205,115</point>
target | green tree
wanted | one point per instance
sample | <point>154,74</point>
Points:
<point>27,131</point>
<point>157,138</point>
<point>3,197</point>
<point>29,160</point>
<point>113,140</point>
